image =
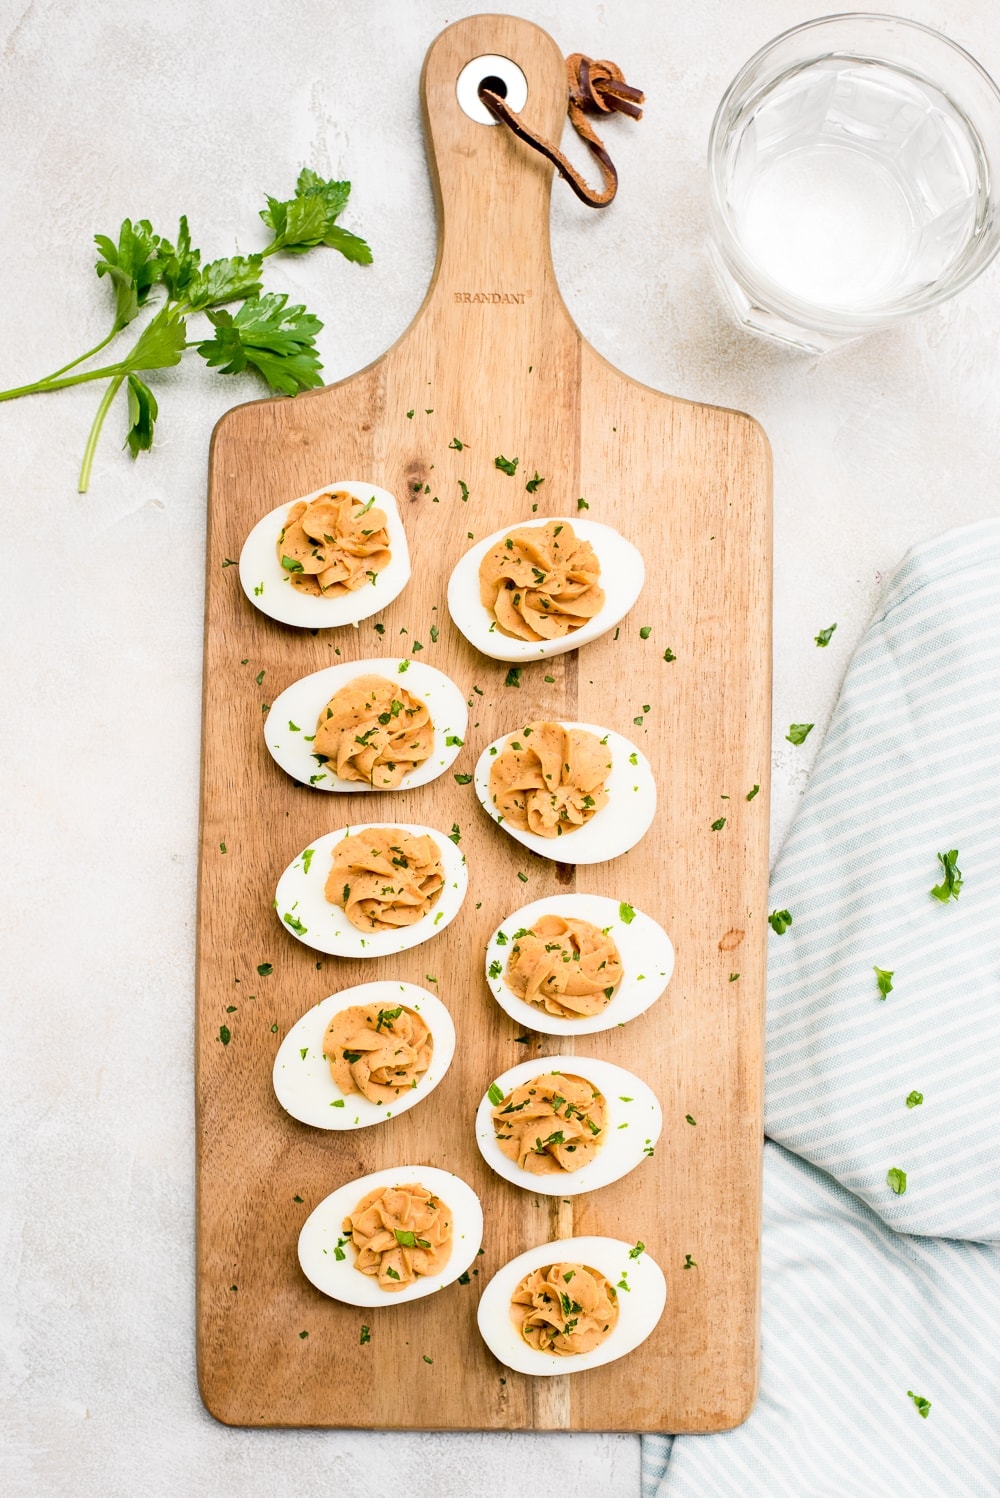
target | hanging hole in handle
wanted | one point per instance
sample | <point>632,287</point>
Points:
<point>500,75</point>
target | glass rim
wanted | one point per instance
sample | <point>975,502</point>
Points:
<point>750,275</point>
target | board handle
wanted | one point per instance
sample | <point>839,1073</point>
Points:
<point>491,191</point>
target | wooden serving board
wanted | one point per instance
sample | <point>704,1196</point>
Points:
<point>494,360</point>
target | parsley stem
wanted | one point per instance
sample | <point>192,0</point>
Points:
<point>40,386</point>
<point>95,431</point>
<point>80,359</point>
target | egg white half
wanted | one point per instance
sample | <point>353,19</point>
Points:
<point>299,900</point>
<point>322,1231</point>
<point>639,1307</point>
<point>612,831</point>
<point>622,576</point>
<point>290,726</point>
<point>302,1081</point>
<point>633,1127</point>
<point>646,951</point>
<point>266,583</point>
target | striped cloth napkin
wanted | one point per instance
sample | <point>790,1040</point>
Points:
<point>881,1238</point>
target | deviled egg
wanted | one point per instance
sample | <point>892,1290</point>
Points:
<point>364,1055</point>
<point>376,725</point>
<point>392,1236</point>
<point>544,587</point>
<point>562,1125</point>
<point>578,964</point>
<point>371,891</point>
<point>572,792</point>
<point>574,1304</point>
<point>330,558</point>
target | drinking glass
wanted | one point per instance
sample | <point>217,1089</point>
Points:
<point>852,170</point>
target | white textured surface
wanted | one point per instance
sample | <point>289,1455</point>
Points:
<point>114,109</point>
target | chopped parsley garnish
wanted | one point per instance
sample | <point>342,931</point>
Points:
<point>379,629</point>
<point>623,1283</point>
<point>224,1034</point>
<point>463,779</point>
<point>307,859</point>
<point>522,1039</point>
<point>523,877</point>
<point>690,1263</point>
<point>914,1099</point>
<point>392,1273</point>
<point>222,847</point>
<point>403,666</point>
<point>264,969</point>
<point>923,1405</point>
<point>259,677</point>
<point>453,741</point>
<point>434,634</point>
<point>718,824</point>
<point>779,921</point>
<point>533,483</point>
<point>689,1119</point>
<point>465,490</point>
<point>951,884</point>
<point>496,968</point>
<point>295,924</point>
<point>626,913</point>
<point>582,504</point>
<point>303,1334</point>
<point>896,1180</point>
<point>407,1239</point>
<point>506,465</point>
<point>495,1094</point>
<point>463,1279</point>
<point>798,732</point>
<point>645,632</point>
<point>753,792</point>
<point>290,565</point>
<point>825,635</point>
<point>884,979</point>
<point>456,444</point>
<point>668,655</point>
<point>455,834</point>
<point>294,727</point>
<point>427,1359</point>
<point>640,1248</point>
<point>386,1016</point>
<point>366,1335</point>
<point>228,563</point>
<point>513,677</point>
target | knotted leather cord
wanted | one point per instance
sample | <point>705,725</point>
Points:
<point>594,87</point>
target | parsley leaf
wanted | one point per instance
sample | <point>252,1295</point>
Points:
<point>142,414</point>
<point>751,793</point>
<point>923,1405</point>
<point>884,981</point>
<point>506,465</point>
<point>914,1099</point>
<point>310,219</point>
<point>825,635</point>
<point>132,266</point>
<point>513,677</point>
<point>798,732</point>
<point>718,824</point>
<point>951,885</point>
<point>896,1180</point>
<point>626,913</point>
<point>267,335</point>
<point>532,484</point>
<point>495,1094</point>
<point>223,281</point>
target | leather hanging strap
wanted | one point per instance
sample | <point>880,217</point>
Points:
<point>594,88</point>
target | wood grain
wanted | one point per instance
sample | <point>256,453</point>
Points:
<point>507,374</point>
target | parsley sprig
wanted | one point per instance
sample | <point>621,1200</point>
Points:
<point>265,334</point>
